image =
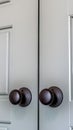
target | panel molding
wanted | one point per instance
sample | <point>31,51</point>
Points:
<point>4,1</point>
<point>70,55</point>
<point>5,122</point>
<point>6,32</point>
<point>6,27</point>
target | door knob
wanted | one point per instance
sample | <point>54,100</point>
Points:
<point>20,97</point>
<point>52,96</point>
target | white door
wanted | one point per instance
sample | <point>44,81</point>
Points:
<point>56,61</point>
<point>18,62</point>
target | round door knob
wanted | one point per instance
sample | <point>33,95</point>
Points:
<point>52,96</point>
<point>20,97</point>
<point>15,97</point>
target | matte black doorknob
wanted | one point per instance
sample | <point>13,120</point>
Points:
<point>20,97</point>
<point>52,96</point>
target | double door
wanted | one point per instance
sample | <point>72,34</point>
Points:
<point>36,59</point>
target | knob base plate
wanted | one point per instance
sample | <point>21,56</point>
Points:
<point>58,96</point>
<point>26,97</point>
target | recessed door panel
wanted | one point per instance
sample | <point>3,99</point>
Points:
<point>5,108</point>
<point>4,58</point>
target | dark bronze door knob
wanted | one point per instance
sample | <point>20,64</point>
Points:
<point>20,97</point>
<point>52,96</point>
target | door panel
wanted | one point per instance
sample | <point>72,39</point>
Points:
<point>18,67</point>
<point>54,61</point>
<point>4,53</point>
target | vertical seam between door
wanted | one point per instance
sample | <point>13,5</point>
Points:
<point>38,59</point>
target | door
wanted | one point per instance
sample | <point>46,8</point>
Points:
<point>18,64</point>
<point>56,52</point>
